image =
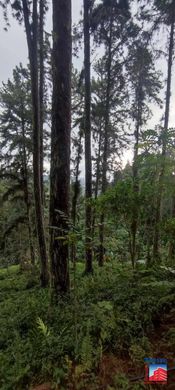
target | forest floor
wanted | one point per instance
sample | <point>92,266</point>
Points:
<point>96,339</point>
<point>111,366</point>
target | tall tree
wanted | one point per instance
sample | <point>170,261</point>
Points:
<point>77,136</point>
<point>108,21</point>
<point>16,145</point>
<point>145,86</point>
<point>76,186</point>
<point>116,134</point>
<point>87,127</point>
<point>28,11</point>
<point>60,145</point>
<point>32,41</point>
<point>41,86</point>
<point>169,11</point>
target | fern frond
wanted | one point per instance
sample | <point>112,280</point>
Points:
<point>42,327</point>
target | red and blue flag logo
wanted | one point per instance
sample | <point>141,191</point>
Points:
<point>155,371</point>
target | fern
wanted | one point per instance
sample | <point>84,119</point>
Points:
<point>43,327</point>
<point>87,350</point>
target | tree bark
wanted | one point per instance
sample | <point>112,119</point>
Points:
<point>88,165</point>
<point>97,178</point>
<point>75,196</point>
<point>77,184</point>
<point>41,90</point>
<point>134,223</point>
<point>105,152</point>
<point>60,146</point>
<point>32,40</point>
<point>156,249</point>
<point>26,191</point>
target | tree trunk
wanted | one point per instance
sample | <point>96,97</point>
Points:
<point>105,152</point>
<point>41,90</point>
<point>31,34</point>
<point>97,178</point>
<point>60,146</point>
<point>134,222</point>
<point>75,197</point>
<point>26,191</point>
<point>76,188</point>
<point>135,211</point>
<point>148,231</point>
<point>156,254</point>
<point>171,249</point>
<point>88,166</point>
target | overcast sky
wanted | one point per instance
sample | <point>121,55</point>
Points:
<point>13,50</point>
<point>13,46</point>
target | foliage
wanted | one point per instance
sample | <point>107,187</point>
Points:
<point>116,310</point>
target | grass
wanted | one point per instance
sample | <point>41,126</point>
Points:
<point>13,269</point>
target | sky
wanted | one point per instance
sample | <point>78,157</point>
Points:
<point>13,49</point>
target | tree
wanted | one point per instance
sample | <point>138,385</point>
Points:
<point>16,145</point>
<point>169,14</point>
<point>60,146</point>
<point>32,42</point>
<point>77,136</point>
<point>44,48</point>
<point>87,127</point>
<point>97,132</point>
<point>41,87</point>
<point>76,186</point>
<point>149,141</point>
<point>26,11</point>
<point>116,139</point>
<point>108,21</point>
<point>145,86</point>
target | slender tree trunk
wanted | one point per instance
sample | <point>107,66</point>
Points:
<point>41,90</point>
<point>98,162</point>
<point>97,178</point>
<point>156,253</point>
<point>75,197</point>
<point>106,134</point>
<point>26,191</point>
<point>135,210</point>
<point>134,223</point>
<point>148,230</point>
<point>88,165</point>
<point>32,39</point>
<point>171,250</point>
<point>77,184</point>
<point>60,145</point>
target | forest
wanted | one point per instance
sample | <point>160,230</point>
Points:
<point>87,196</point>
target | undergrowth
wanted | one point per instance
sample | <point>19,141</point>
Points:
<point>112,311</point>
